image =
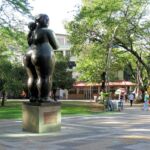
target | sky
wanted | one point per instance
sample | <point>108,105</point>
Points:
<point>57,10</point>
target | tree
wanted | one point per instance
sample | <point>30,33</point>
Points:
<point>93,65</point>
<point>62,77</point>
<point>12,44</point>
<point>12,79</point>
<point>11,51</point>
<point>21,10</point>
<point>113,24</point>
<point>12,24</point>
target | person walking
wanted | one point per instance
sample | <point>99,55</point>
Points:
<point>146,101</point>
<point>131,98</point>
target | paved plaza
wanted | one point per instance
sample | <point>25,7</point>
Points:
<point>126,130</point>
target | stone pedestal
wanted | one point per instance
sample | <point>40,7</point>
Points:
<point>41,118</point>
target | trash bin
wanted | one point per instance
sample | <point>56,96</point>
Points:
<point>115,105</point>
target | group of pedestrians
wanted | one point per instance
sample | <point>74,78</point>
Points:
<point>131,97</point>
<point>146,100</point>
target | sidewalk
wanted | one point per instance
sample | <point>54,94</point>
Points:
<point>127,130</point>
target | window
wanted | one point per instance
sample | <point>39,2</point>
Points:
<point>61,41</point>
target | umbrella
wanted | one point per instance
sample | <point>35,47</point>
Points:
<point>121,90</point>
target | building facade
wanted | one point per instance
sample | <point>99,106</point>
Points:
<point>81,91</point>
<point>64,48</point>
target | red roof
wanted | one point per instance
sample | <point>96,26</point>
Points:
<point>111,84</point>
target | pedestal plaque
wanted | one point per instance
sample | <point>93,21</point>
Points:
<point>41,118</point>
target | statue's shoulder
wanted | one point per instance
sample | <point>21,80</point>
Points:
<point>46,29</point>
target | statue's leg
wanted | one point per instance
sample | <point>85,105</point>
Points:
<point>44,71</point>
<point>32,78</point>
<point>54,94</point>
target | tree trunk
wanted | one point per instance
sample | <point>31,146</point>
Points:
<point>3,98</point>
<point>139,82</point>
<point>139,78</point>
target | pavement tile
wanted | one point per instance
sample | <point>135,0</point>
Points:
<point>126,130</point>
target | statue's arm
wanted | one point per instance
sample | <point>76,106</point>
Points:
<point>29,38</point>
<point>53,40</point>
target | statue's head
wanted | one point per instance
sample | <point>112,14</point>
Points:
<point>32,26</point>
<point>42,20</point>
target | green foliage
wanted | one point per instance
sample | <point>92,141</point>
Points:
<point>12,77</point>
<point>93,64</point>
<point>12,42</point>
<point>62,77</point>
<point>12,47</point>
<point>118,25</point>
<point>12,37</point>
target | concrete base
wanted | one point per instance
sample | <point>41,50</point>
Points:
<point>41,118</point>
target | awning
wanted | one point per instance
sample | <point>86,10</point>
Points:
<point>121,83</point>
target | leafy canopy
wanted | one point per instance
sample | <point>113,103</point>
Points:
<point>111,25</point>
<point>62,77</point>
<point>12,44</point>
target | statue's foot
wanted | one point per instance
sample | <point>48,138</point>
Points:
<point>55,99</point>
<point>33,99</point>
<point>45,99</point>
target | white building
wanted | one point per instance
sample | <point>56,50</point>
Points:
<point>64,47</point>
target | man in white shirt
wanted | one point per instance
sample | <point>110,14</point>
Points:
<point>131,98</point>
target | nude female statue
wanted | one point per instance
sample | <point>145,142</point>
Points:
<point>39,60</point>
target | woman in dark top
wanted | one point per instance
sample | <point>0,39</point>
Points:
<point>39,60</point>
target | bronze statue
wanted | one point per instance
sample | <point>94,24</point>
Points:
<point>39,60</point>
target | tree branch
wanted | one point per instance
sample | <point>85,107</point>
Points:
<point>139,58</point>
